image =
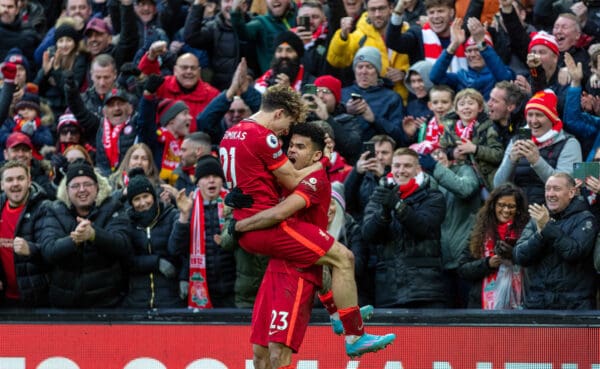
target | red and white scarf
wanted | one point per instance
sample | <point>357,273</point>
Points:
<point>549,137</point>
<point>432,48</point>
<point>429,137</point>
<point>110,141</point>
<point>319,33</point>
<point>465,131</point>
<point>172,149</point>
<point>198,296</point>
<point>409,187</point>
<point>261,83</point>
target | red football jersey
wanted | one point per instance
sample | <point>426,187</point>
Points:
<point>249,154</point>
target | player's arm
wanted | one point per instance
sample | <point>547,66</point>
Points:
<point>274,215</point>
<point>289,177</point>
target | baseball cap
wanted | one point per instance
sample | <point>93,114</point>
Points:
<point>18,138</point>
<point>117,93</point>
<point>98,25</point>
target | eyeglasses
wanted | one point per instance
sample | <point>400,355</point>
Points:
<point>500,205</point>
<point>69,130</point>
<point>187,67</point>
<point>78,186</point>
<point>323,90</point>
<point>239,111</point>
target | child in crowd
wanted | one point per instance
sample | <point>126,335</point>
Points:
<point>469,135</point>
<point>429,134</point>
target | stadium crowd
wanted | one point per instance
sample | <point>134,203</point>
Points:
<point>464,142</point>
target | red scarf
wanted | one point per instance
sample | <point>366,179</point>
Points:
<point>319,33</point>
<point>20,122</point>
<point>198,296</point>
<point>110,141</point>
<point>406,189</point>
<point>432,48</point>
<point>429,137</point>
<point>172,148</point>
<point>465,131</point>
<point>261,82</point>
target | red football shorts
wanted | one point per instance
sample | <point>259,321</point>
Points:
<point>292,240</point>
<point>282,310</point>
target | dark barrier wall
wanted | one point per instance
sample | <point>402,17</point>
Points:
<point>218,339</point>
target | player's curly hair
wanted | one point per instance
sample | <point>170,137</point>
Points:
<point>278,97</point>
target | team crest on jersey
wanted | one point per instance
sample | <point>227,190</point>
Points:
<point>311,182</point>
<point>272,141</point>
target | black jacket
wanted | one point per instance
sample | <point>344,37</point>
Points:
<point>168,239</point>
<point>407,244</point>
<point>90,274</point>
<point>558,261</point>
<point>31,271</point>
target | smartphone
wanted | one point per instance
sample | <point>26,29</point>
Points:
<point>585,169</point>
<point>355,96</point>
<point>304,21</point>
<point>524,133</point>
<point>309,88</point>
<point>51,51</point>
<point>370,147</point>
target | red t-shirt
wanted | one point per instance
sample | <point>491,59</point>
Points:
<point>249,154</point>
<point>8,224</point>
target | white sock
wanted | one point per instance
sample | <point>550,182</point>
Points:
<point>335,316</point>
<point>351,338</point>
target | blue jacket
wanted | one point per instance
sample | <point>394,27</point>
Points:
<point>582,125</point>
<point>483,80</point>
<point>388,108</point>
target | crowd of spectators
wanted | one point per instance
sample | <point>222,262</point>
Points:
<point>458,131</point>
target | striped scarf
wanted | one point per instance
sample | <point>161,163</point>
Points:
<point>432,48</point>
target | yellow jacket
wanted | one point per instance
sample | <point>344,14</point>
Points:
<point>341,53</point>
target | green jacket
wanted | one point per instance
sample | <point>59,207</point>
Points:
<point>261,32</point>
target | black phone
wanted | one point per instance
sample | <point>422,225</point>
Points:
<point>524,133</point>
<point>355,96</point>
<point>370,147</point>
<point>304,21</point>
<point>309,88</point>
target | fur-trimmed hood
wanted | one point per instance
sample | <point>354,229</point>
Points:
<point>104,190</point>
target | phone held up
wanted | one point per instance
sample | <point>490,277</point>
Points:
<point>304,21</point>
<point>370,147</point>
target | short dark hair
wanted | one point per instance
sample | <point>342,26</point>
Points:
<point>105,60</point>
<point>442,88</point>
<point>514,95</point>
<point>379,139</point>
<point>431,3</point>
<point>14,164</point>
<point>312,131</point>
<point>201,138</point>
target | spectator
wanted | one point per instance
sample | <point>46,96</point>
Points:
<point>263,29</point>
<point>367,172</point>
<point>216,265</point>
<point>98,36</point>
<point>218,38</point>
<point>85,240</point>
<point>329,107</point>
<point>185,85</point>
<point>338,169</point>
<point>484,66</point>
<point>88,106</point>
<point>459,184</point>
<point>148,25</point>
<point>378,109</point>
<point>65,55</point>
<point>417,82</point>
<point>194,146</point>
<point>428,134</point>
<point>117,132</point>
<point>70,133</point>
<point>13,31</point>
<point>529,163</point>
<point>426,42</point>
<point>315,38</point>
<point>505,109</point>
<point>556,248</point>
<point>138,155</point>
<point>19,147</point>
<point>286,69</point>
<point>60,161</point>
<point>238,102</point>
<point>23,74</point>
<point>370,31</point>
<point>498,226</point>
<point>79,10</point>
<point>469,135</point>
<point>23,273</point>
<point>158,241</point>
<point>403,223</point>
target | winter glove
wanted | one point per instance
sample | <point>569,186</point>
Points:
<point>238,200</point>
<point>153,82</point>
<point>427,163</point>
<point>183,289</point>
<point>503,249</point>
<point>60,163</point>
<point>69,80</point>
<point>229,236</point>
<point>166,268</point>
<point>28,128</point>
<point>386,196</point>
<point>9,71</point>
<point>129,69</point>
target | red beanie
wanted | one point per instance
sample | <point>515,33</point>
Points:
<point>544,38</point>
<point>545,101</point>
<point>333,84</point>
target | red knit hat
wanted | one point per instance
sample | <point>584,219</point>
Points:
<point>543,38</point>
<point>333,84</point>
<point>545,101</point>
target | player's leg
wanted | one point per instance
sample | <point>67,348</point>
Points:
<point>261,358</point>
<point>280,355</point>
